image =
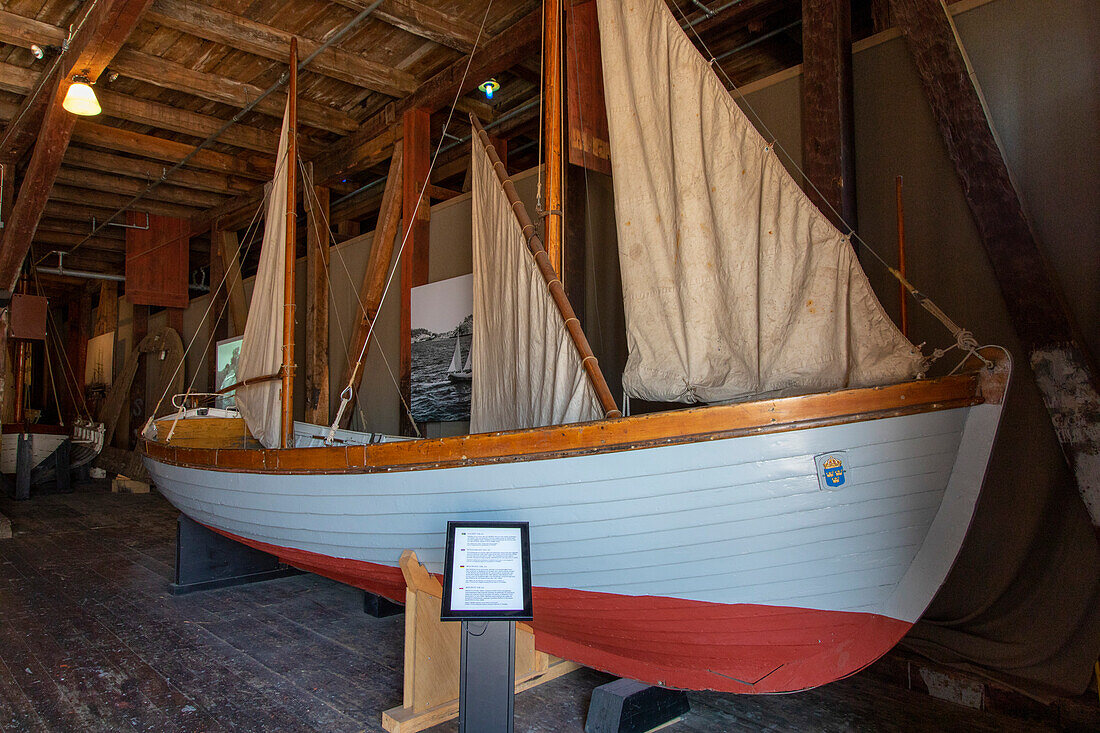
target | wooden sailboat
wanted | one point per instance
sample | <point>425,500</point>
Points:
<point>460,371</point>
<point>759,544</point>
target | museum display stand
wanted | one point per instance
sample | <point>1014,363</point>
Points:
<point>432,656</point>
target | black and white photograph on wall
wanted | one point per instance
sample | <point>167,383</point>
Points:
<point>442,334</point>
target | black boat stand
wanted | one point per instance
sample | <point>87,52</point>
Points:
<point>206,560</point>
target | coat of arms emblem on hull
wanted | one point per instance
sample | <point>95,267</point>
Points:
<point>831,470</point>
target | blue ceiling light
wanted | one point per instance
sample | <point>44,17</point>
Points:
<point>489,86</point>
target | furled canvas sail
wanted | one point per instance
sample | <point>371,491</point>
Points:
<point>261,347</point>
<point>734,283</point>
<point>526,370</point>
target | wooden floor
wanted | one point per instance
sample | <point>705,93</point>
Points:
<point>91,640</point>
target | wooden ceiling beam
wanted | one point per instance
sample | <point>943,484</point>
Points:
<point>423,21</point>
<point>77,227</point>
<point>247,35</point>
<point>169,75</point>
<point>112,202</point>
<point>71,239</point>
<point>170,151</point>
<point>148,171</point>
<point>98,35</point>
<point>98,181</point>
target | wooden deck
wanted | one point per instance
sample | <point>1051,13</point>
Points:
<point>91,640</point>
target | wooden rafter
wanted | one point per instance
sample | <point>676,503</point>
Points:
<point>1036,308</point>
<point>148,170</point>
<point>423,21</point>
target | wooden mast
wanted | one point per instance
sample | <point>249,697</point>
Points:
<point>286,434</point>
<point>552,131</point>
<point>553,283</point>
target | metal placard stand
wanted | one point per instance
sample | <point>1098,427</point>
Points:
<point>487,586</point>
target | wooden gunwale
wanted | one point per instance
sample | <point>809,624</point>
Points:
<point>713,422</point>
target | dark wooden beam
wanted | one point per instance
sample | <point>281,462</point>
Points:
<point>248,165</point>
<point>416,213</point>
<point>316,205</point>
<point>149,171</point>
<point>828,129</point>
<point>138,406</point>
<point>423,21</point>
<point>121,184</point>
<point>1066,377</point>
<point>114,202</point>
<point>227,245</point>
<point>218,317</point>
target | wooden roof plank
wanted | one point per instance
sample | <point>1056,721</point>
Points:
<point>422,20</point>
<point>149,171</point>
<point>263,40</point>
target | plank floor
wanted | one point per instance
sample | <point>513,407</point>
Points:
<point>90,640</point>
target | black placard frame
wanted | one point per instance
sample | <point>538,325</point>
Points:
<point>526,613</point>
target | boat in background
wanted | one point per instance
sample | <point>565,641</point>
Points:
<point>459,371</point>
<point>762,543</point>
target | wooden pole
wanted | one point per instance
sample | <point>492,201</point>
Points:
<point>903,302</point>
<point>317,266</point>
<point>553,284</point>
<point>552,131</point>
<point>286,437</point>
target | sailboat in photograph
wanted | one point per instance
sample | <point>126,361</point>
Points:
<point>782,530</point>
<point>460,371</point>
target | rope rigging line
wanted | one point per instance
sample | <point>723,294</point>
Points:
<point>347,394</point>
<point>964,339</point>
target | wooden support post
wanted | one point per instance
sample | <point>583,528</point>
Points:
<point>137,403</point>
<point>552,132</point>
<point>234,288</point>
<point>316,204</point>
<point>416,213</point>
<point>828,131</point>
<point>79,312</point>
<point>1063,371</point>
<point>175,319</point>
<point>374,277</point>
<point>219,322</point>
<point>431,656</point>
<point>107,314</point>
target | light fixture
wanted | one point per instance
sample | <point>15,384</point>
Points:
<point>37,51</point>
<point>80,99</point>
<point>489,86</point>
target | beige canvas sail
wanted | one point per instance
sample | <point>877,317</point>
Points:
<point>734,283</point>
<point>526,370</point>
<point>262,345</point>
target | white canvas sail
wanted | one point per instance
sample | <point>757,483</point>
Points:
<point>734,283</point>
<point>526,370</point>
<point>456,358</point>
<point>261,348</point>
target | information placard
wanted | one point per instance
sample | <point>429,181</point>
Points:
<point>487,572</point>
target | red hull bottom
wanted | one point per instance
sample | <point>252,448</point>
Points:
<point>695,645</point>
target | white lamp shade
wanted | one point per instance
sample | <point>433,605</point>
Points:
<point>80,100</point>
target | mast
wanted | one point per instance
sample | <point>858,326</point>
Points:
<point>20,366</point>
<point>286,434</point>
<point>552,130</point>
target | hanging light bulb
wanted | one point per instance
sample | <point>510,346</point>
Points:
<point>80,99</point>
<point>37,51</point>
<point>489,86</point>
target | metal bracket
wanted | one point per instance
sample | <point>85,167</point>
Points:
<point>123,226</point>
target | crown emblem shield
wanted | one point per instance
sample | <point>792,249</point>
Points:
<point>831,470</point>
